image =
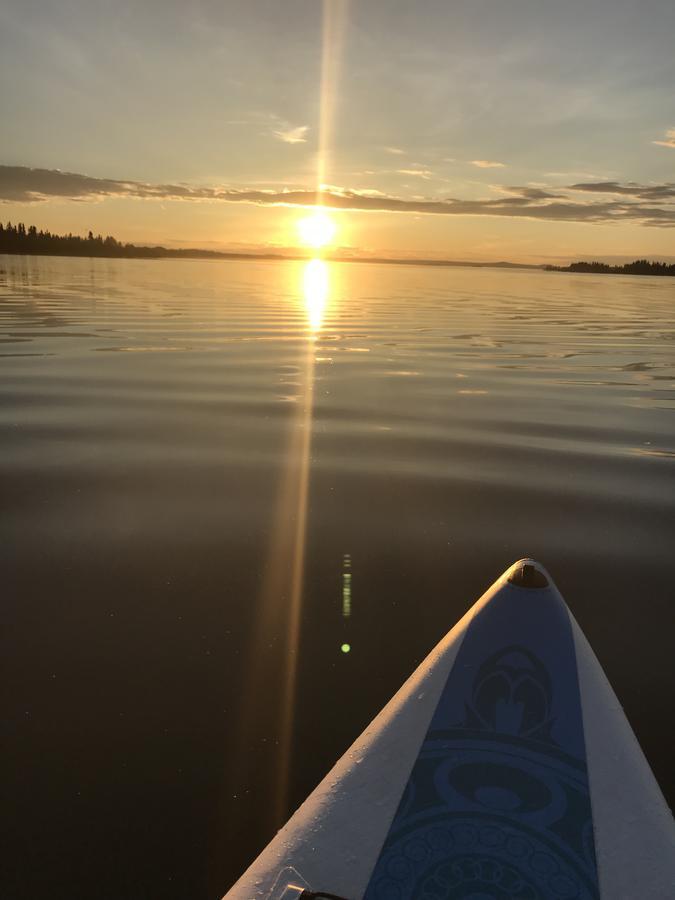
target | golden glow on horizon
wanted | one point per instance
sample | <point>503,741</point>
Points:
<point>317,230</point>
<point>316,287</point>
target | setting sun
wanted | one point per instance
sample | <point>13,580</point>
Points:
<point>317,230</point>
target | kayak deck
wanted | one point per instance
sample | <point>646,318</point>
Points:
<point>498,798</point>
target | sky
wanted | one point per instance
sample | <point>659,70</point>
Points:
<point>524,130</point>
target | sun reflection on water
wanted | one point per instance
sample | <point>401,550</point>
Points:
<point>280,607</point>
<point>316,289</point>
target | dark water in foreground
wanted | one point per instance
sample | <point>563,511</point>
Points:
<point>170,430</point>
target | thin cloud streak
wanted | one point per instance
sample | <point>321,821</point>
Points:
<point>652,205</point>
<point>631,189</point>
<point>487,164</point>
<point>417,173</point>
<point>669,141</point>
<point>292,135</point>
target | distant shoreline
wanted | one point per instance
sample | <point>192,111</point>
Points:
<point>140,252</point>
<point>21,241</point>
<point>155,253</point>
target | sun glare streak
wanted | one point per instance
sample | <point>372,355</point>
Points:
<point>316,289</point>
<point>275,648</point>
<point>334,20</point>
<point>277,629</point>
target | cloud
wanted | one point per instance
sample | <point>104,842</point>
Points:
<point>656,192</point>
<point>573,175</point>
<point>652,204</point>
<point>290,135</point>
<point>486,164</point>
<point>418,173</point>
<point>669,141</point>
<point>396,151</point>
<point>533,193</point>
<point>19,184</point>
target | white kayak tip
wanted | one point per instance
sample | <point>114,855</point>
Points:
<point>528,573</point>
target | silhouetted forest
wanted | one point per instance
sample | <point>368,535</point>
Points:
<point>21,239</point>
<point>639,267</point>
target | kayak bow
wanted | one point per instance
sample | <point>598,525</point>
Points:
<point>503,768</point>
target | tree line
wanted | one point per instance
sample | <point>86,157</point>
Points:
<point>638,267</point>
<point>21,239</point>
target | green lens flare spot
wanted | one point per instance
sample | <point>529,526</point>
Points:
<point>346,648</point>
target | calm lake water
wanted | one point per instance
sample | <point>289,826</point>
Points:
<point>193,456</point>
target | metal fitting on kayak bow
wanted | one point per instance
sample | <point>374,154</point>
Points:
<point>527,575</point>
<point>318,895</point>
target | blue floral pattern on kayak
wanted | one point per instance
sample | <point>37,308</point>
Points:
<point>497,806</point>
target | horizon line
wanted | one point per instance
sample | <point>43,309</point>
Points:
<point>290,254</point>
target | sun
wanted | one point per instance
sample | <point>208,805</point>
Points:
<point>317,230</point>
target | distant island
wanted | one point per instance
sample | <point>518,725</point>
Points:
<point>20,239</point>
<point>639,267</point>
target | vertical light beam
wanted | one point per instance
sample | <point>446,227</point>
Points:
<point>334,20</point>
<point>315,285</point>
<point>315,289</point>
<point>280,607</point>
<point>276,638</point>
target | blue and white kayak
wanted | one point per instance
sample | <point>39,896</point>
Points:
<point>503,769</point>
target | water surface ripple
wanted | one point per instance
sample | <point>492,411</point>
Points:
<point>152,420</point>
